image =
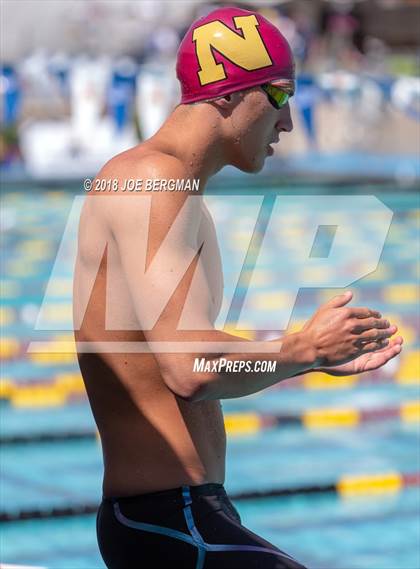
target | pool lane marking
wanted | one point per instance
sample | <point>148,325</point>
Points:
<point>390,483</point>
<point>73,384</point>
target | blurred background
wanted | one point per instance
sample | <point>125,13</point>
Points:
<point>327,469</point>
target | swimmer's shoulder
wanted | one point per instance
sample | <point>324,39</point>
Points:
<point>143,163</point>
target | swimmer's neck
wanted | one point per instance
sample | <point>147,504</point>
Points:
<point>193,133</point>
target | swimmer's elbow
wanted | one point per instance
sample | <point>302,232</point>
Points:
<point>191,389</point>
<point>193,395</point>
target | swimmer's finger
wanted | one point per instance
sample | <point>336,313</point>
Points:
<point>374,346</point>
<point>394,344</point>
<point>362,324</point>
<point>364,312</point>
<point>376,335</point>
<point>378,358</point>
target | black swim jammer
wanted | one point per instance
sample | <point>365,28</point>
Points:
<point>191,527</point>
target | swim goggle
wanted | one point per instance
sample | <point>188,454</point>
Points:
<point>278,96</point>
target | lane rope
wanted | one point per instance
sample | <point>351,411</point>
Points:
<point>346,486</point>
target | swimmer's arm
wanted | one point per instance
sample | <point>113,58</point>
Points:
<point>331,336</point>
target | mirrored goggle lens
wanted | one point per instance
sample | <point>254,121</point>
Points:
<point>278,98</point>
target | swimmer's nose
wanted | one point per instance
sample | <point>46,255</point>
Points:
<point>285,123</point>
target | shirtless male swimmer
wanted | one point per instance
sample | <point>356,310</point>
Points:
<point>160,423</point>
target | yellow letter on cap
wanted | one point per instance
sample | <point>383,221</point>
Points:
<point>248,52</point>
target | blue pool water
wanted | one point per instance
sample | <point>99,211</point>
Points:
<point>324,531</point>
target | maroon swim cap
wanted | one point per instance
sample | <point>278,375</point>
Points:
<point>229,50</point>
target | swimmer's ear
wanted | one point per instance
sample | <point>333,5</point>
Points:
<point>224,102</point>
<point>227,103</point>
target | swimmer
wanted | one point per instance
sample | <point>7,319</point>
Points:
<point>160,422</point>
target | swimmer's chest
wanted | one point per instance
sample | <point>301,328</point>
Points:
<point>210,275</point>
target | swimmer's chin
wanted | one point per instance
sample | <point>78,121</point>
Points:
<point>251,167</point>
<point>255,169</point>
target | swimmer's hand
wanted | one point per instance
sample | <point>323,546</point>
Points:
<point>338,334</point>
<point>367,362</point>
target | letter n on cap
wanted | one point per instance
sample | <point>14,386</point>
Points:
<point>247,51</point>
